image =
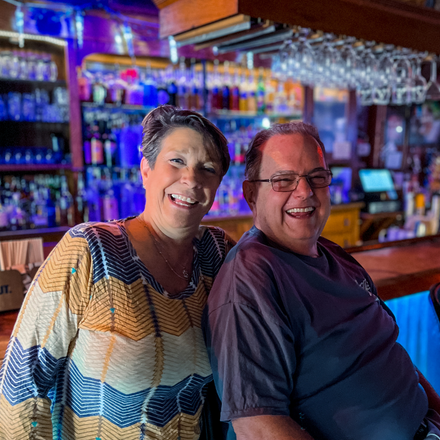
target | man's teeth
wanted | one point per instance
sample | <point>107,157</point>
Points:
<point>184,199</point>
<point>296,210</point>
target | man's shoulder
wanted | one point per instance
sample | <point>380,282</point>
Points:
<point>251,249</point>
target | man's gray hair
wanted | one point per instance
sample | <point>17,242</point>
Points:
<point>161,121</point>
<point>254,155</point>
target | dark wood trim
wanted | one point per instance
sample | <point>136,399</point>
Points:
<point>386,21</point>
<point>75,109</point>
<point>389,244</point>
<point>407,284</point>
<point>49,235</point>
<point>184,15</point>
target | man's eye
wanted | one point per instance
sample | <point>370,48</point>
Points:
<point>283,180</point>
<point>318,179</point>
<point>210,170</point>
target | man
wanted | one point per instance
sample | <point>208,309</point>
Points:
<point>300,345</point>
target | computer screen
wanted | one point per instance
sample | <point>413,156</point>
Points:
<point>376,180</point>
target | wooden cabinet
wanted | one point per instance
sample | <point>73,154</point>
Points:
<point>342,226</point>
<point>235,227</point>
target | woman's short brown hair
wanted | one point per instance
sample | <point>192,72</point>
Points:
<point>161,121</point>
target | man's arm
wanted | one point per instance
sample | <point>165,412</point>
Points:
<point>433,397</point>
<point>268,428</point>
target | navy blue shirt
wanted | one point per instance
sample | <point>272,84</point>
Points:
<point>305,337</point>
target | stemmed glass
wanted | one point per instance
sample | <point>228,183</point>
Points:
<point>433,87</point>
<point>382,88</point>
<point>368,69</point>
<point>401,87</point>
<point>419,85</point>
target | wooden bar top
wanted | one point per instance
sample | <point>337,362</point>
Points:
<point>403,268</point>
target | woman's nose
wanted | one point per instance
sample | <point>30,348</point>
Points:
<point>190,177</point>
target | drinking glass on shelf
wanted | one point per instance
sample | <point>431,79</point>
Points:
<point>419,84</point>
<point>433,87</point>
<point>368,69</point>
<point>304,58</point>
<point>382,88</point>
<point>401,87</point>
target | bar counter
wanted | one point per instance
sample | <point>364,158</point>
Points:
<point>401,268</point>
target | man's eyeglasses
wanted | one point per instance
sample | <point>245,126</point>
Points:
<point>288,181</point>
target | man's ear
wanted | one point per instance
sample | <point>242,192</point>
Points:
<point>145,170</point>
<point>250,193</point>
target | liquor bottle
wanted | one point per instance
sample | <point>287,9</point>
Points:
<point>163,97</point>
<point>226,87</point>
<point>84,85</point>
<point>97,150</point>
<point>110,209</point>
<point>171,86</point>
<point>82,207</point>
<point>234,99</point>
<point>126,196</point>
<point>243,102</point>
<point>195,86</point>
<point>216,95</point>
<point>252,94</point>
<point>150,89</point>
<point>182,86</point>
<point>117,88</point>
<point>92,194</point>
<point>134,94</point>
<point>65,204</point>
<point>261,105</point>
<point>110,147</point>
<point>270,94</point>
<point>99,90</point>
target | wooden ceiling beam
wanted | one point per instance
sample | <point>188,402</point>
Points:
<point>385,21</point>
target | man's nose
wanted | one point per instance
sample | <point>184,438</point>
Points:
<point>303,189</point>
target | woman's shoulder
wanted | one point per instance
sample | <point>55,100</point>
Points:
<point>92,231</point>
<point>207,234</point>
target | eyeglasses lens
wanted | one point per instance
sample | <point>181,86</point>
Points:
<point>289,182</point>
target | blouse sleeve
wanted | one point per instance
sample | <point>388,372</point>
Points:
<point>39,345</point>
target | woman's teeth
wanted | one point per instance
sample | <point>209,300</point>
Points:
<point>296,210</point>
<point>183,199</point>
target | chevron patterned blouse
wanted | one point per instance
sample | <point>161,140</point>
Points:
<point>100,351</point>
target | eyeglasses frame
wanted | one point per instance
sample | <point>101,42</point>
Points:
<point>270,180</point>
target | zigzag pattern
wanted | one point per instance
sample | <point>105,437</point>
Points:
<point>99,337</point>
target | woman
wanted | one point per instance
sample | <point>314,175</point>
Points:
<point>108,343</point>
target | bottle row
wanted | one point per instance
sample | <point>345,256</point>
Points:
<point>111,194</point>
<point>27,65</point>
<point>39,202</point>
<point>227,87</point>
<point>112,139</point>
<point>35,106</point>
<point>36,156</point>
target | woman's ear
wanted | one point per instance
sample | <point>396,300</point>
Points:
<point>145,171</point>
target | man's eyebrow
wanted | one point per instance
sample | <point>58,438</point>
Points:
<point>284,172</point>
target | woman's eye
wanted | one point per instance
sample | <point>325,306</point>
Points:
<point>177,160</point>
<point>210,170</point>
